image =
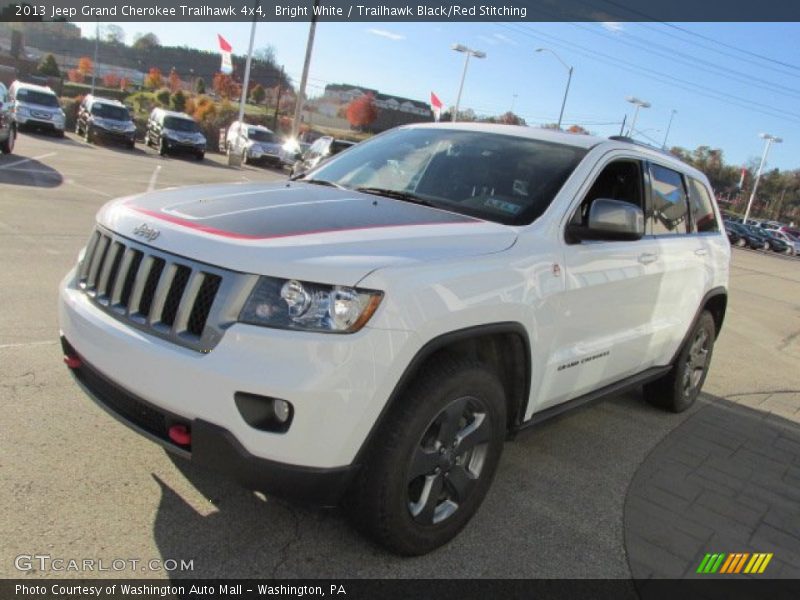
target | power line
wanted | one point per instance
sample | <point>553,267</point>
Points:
<point>690,86</point>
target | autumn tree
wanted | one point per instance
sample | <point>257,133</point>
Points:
<point>49,67</point>
<point>577,129</point>
<point>174,81</point>
<point>153,80</point>
<point>111,80</point>
<point>362,111</point>
<point>113,34</point>
<point>146,41</point>
<point>124,83</point>
<point>258,94</point>
<point>225,86</point>
<point>75,76</point>
<point>509,118</point>
<point>85,66</point>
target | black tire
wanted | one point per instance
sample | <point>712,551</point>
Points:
<point>162,147</point>
<point>412,515</point>
<point>677,390</point>
<point>77,127</point>
<point>131,145</point>
<point>200,156</point>
<point>60,133</point>
<point>7,147</point>
<point>89,135</point>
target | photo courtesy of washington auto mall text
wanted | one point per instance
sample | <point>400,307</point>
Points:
<point>399,299</point>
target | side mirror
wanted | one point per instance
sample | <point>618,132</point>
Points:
<point>610,220</point>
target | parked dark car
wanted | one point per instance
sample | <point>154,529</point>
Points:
<point>103,118</point>
<point>752,238</point>
<point>778,244</point>
<point>319,151</point>
<point>173,132</point>
<point>733,237</point>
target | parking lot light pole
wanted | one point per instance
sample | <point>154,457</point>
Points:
<point>769,141</point>
<point>235,158</point>
<point>96,44</point>
<point>569,80</point>
<point>639,104</point>
<point>669,126</point>
<point>469,52</point>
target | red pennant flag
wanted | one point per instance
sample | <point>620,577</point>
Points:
<point>226,49</point>
<point>223,44</point>
<point>436,106</point>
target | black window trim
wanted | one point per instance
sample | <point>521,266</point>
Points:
<point>602,163</point>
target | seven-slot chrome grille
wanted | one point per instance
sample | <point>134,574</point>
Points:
<point>181,300</point>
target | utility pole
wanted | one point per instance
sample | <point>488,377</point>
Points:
<point>301,96</point>
<point>278,102</point>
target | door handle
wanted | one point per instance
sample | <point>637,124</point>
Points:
<point>648,257</point>
<point>701,252</point>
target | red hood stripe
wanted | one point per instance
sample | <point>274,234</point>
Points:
<point>242,236</point>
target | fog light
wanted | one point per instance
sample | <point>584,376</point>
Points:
<point>281,408</point>
<point>264,413</point>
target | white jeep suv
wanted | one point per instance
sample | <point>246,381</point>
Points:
<point>370,334</point>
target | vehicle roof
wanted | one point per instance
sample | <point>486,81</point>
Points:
<point>102,100</point>
<point>586,142</point>
<point>255,126</point>
<point>173,113</point>
<point>33,86</point>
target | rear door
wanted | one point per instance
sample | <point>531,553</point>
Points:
<point>682,261</point>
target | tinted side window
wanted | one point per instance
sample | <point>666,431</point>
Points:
<point>668,206</point>
<point>619,180</point>
<point>702,207</point>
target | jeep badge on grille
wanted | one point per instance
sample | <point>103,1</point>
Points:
<point>146,232</point>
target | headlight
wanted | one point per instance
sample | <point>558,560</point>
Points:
<point>130,127</point>
<point>292,304</point>
<point>22,110</point>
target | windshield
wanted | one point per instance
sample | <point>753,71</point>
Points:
<point>179,124</point>
<point>500,178</point>
<point>261,135</point>
<point>35,97</point>
<point>109,111</point>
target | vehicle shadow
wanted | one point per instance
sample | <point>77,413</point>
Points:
<point>67,140</point>
<point>19,170</point>
<point>554,511</point>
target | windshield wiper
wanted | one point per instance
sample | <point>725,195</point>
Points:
<point>321,182</point>
<point>396,194</point>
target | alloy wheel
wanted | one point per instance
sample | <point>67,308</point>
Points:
<point>696,362</point>
<point>448,461</point>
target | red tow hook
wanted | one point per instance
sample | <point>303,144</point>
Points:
<point>180,435</point>
<point>73,361</point>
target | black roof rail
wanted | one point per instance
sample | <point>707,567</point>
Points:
<point>630,140</point>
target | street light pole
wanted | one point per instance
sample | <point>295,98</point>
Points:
<point>769,139</point>
<point>639,104</point>
<point>569,80</point>
<point>96,44</point>
<point>669,126</point>
<point>301,95</point>
<point>469,52</point>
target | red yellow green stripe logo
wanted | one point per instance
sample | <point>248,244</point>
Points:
<point>734,563</point>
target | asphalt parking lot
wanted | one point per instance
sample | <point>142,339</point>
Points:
<point>577,497</point>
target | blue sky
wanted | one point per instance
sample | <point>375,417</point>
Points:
<point>727,81</point>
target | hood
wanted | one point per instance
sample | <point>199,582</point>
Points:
<point>299,230</point>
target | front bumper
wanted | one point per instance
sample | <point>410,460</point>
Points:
<point>114,134</point>
<point>174,145</point>
<point>212,446</point>
<point>31,121</point>
<point>337,384</point>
